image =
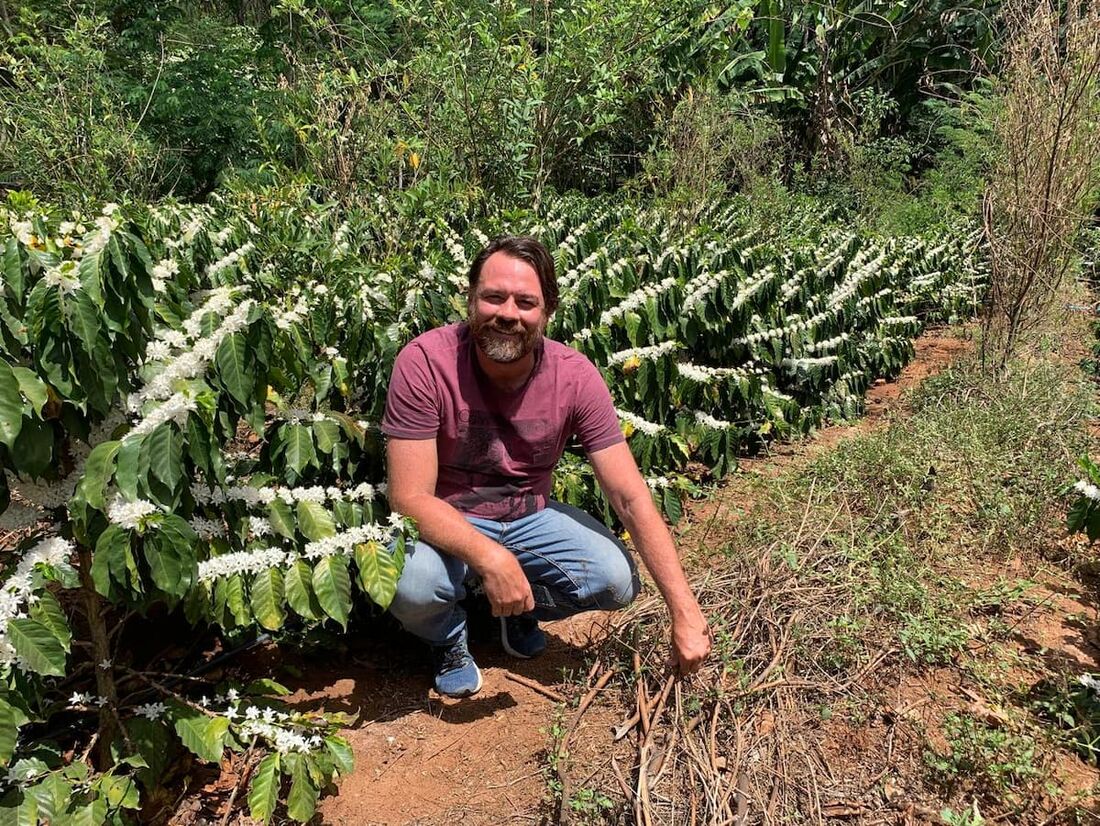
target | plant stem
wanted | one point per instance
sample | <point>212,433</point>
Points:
<point>101,651</point>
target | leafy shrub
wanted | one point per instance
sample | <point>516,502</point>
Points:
<point>67,132</point>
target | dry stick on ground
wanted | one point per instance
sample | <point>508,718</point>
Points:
<point>537,687</point>
<point>628,793</point>
<point>737,782</point>
<point>773,601</point>
<point>639,684</point>
<point>593,671</point>
<point>645,741</point>
<point>246,772</point>
<point>562,751</point>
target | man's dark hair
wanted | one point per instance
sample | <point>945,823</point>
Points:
<point>529,250</point>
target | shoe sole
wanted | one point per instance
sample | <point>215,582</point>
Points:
<point>508,649</point>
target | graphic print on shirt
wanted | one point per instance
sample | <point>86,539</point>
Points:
<point>495,458</point>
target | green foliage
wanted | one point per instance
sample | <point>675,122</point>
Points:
<point>360,97</point>
<point>146,498</point>
<point>967,817</point>
<point>951,145</point>
<point>1073,708</point>
<point>589,804</point>
<point>202,85</point>
<point>994,760</point>
<point>66,131</point>
<point>978,451</point>
<point>201,734</point>
<point>708,146</point>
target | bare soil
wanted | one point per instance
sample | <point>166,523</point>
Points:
<point>424,759</point>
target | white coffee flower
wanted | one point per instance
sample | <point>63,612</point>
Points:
<point>151,711</point>
<point>1090,682</point>
<point>638,423</point>
<point>130,515</point>
<point>65,276</point>
<point>1088,490</point>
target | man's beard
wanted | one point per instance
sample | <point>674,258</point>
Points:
<point>493,339</point>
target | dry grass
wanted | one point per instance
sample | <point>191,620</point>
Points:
<point>868,568</point>
<point>1043,187</point>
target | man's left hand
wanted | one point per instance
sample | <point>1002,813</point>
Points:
<point>690,644</point>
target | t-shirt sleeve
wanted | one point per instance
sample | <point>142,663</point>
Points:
<point>412,403</point>
<point>594,418</point>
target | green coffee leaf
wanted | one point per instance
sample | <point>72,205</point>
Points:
<point>234,592</point>
<point>9,731</point>
<point>32,387</point>
<point>165,446</point>
<point>11,406</point>
<point>108,562</point>
<point>340,751</point>
<point>98,469</point>
<point>263,793</point>
<point>121,791</point>
<point>332,584</point>
<point>298,583</point>
<point>315,521</point>
<point>301,803</point>
<point>32,448</point>
<point>37,647</point>
<point>92,814</point>
<point>267,599</point>
<point>234,369</point>
<point>300,453</point>
<point>168,563</point>
<point>327,433</point>
<point>281,518</point>
<point>151,740</point>
<point>203,736</point>
<point>53,794</point>
<point>378,572</point>
<point>47,610</point>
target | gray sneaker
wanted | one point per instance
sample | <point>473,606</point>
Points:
<point>456,673</point>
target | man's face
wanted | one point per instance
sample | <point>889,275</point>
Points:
<point>507,311</point>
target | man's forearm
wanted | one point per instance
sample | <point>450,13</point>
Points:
<point>447,530</point>
<point>654,543</point>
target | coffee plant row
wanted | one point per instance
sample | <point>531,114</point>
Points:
<point>188,408</point>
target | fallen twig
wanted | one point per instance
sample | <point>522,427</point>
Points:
<point>246,772</point>
<point>562,750</point>
<point>537,687</point>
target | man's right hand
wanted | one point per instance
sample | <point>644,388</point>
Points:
<point>506,585</point>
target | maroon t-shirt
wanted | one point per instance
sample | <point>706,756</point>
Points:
<point>497,449</point>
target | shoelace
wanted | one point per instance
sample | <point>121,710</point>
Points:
<point>453,658</point>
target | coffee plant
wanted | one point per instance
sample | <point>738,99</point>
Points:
<point>188,408</point>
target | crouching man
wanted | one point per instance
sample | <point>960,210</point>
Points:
<point>477,415</point>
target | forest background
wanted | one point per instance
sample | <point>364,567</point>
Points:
<point>500,101</point>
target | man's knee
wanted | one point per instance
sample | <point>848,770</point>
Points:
<point>429,582</point>
<point>615,584</point>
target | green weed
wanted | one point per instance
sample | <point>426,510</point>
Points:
<point>967,817</point>
<point>995,761</point>
<point>1073,708</point>
<point>590,805</point>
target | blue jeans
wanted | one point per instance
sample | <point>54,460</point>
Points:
<point>579,563</point>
